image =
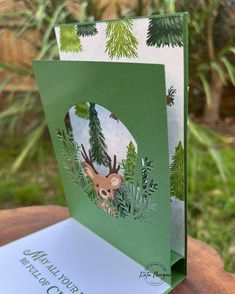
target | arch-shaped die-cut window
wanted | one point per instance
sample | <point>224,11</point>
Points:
<point>101,156</point>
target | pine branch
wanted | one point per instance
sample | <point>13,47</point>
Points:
<point>165,31</point>
<point>121,42</point>
<point>71,153</point>
<point>86,30</point>
<point>131,202</point>
<point>69,40</point>
<point>97,140</point>
<point>129,164</point>
<point>177,173</point>
<point>149,186</point>
<point>122,204</point>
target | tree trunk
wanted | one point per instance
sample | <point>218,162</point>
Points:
<point>211,113</point>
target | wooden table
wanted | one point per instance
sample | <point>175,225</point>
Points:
<point>206,273</point>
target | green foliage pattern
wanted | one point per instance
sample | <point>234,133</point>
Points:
<point>177,173</point>
<point>165,31</point>
<point>86,30</point>
<point>134,202</point>
<point>97,139</point>
<point>130,199</point>
<point>71,152</point>
<point>121,42</point>
<point>149,186</point>
<point>69,40</point>
<point>129,164</point>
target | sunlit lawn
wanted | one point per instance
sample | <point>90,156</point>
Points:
<point>211,216</point>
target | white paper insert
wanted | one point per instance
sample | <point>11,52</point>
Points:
<point>68,258</point>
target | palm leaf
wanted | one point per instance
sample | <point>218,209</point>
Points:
<point>230,69</point>
<point>208,140</point>
<point>32,141</point>
<point>206,88</point>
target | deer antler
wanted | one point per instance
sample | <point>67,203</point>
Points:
<point>114,168</point>
<point>172,91</point>
<point>87,158</point>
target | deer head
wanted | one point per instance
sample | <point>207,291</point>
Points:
<point>104,186</point>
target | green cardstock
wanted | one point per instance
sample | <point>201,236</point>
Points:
<point>155,39</point>
<point>135,94</point>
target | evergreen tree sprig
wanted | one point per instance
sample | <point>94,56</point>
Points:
<point>122,203</point>
<point>149,186</point>
<point>165,31</point>
<point>131,202</point>
<point>129,164</point>
<point>86,30</point>
<point>121,41</point>
<point>69,40</point>
<point>177,173</point>
<point>97,140</point>
<point>71,153</point>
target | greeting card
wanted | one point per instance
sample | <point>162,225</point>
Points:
<point>115,106</point>
<point>158,39</point>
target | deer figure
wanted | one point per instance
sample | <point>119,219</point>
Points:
<point>104,186</point>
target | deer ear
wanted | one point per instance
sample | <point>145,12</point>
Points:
<point>89,171</point>
<point>115,180</point>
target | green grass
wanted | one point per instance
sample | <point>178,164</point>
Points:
<point>211,215</point>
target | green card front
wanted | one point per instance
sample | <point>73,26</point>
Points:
<point>108,125</point>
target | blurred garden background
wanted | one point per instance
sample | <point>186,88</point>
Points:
<point>28,172</point>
